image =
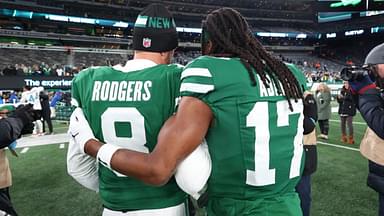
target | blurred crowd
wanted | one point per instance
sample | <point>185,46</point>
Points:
<point>314,69</point>
<point>41,70</point>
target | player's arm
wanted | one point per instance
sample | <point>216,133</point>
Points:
<point>19,122</point>
<point>10,129</point>
<point>80,166</point>
<point>179,136</point>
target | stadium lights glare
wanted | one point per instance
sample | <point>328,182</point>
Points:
<point>301,36</point>
<point>188,30</point>
<point>354,32</point>
<point>271,34</point>
<point>102,23</point>
<point>377,29</point>
<point>344,3</point>
<point>330,35</point>
<point>121,24</point>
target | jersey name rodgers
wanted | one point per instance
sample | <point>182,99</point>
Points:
<point>128,109</point>
<point>255,141</point>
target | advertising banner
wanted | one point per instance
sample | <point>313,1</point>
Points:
<point>48,82</point>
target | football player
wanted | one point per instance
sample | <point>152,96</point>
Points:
<point>248,106</point>
<point>126,106</point>
<point>32,96</point>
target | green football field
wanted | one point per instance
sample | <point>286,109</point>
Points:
<point>41,186</point>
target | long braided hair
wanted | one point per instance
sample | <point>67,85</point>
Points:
<point>231,36</point>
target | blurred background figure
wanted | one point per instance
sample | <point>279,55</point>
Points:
<point>370,102</point>
<point>32,96</point>
<point>323,101</point>
<point>303,188</point>
<point>11,128</point>
<point>1,98</point>
<point>55,99</point>
<point>347,110</point>
<point>46,111</point>
<point>13,98</point>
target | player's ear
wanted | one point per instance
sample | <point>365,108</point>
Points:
<point>166,57</point>
<point>207,47</point>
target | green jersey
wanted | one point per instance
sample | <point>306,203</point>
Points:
<point>255,141</point>
<point>128,109</point>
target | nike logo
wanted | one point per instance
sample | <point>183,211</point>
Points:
<point>74,135</point>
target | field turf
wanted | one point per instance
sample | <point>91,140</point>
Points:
<point>41,186</point>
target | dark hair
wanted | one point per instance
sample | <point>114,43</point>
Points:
<point>230,36</point>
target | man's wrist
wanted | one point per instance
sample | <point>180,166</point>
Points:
<point>91,147</point>
<point>105,154</point>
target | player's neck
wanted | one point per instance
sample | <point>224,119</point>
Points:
<point>152,56</point>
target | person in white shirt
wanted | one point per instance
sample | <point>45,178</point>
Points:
<point>32,96</point>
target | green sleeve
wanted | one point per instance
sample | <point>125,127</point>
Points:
<point>174,83</point>
<point>197,80</point>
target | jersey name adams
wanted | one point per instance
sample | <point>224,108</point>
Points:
<point>121,90</point>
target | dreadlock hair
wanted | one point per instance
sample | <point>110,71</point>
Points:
<point>230,35</point>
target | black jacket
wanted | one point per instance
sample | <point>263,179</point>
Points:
<point>310,114</point>
<point>44,101</point>
<point>310,118</point>
<point>371,107</point>
<point>10,130</point>
<point>346,103</point>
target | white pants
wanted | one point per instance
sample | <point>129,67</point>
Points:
<point>38,127</point>
<point>53,112</point>
<point>178,210</point>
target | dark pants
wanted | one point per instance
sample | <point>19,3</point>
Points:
<point>47,118</point>
<point>376,182</point>
<point>5,202</point>
<point>324,126</point>
<point>346,121</point>
<point>303,188</point>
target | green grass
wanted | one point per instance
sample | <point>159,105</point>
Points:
<point>42,187</point>
<point>339,185</point>
<point>59,126</point>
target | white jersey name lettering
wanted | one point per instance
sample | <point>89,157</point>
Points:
<point>121,91</point>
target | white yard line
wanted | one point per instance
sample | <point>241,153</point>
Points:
<point>42,140</point>
<point>338,146</point>
<point>63,138</point>
<point>24,150</point>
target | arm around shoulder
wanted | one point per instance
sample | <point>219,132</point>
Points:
<point>179,136</point>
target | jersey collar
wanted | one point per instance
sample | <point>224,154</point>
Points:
<point>135,65</point>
